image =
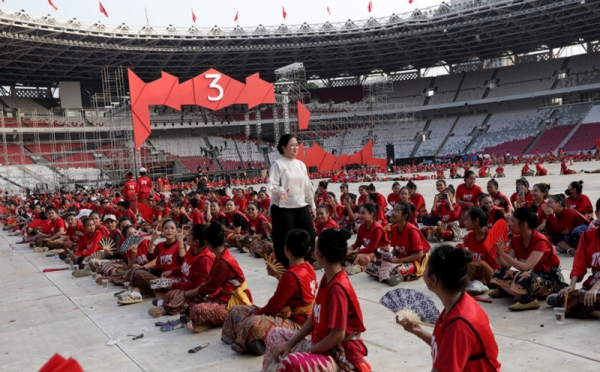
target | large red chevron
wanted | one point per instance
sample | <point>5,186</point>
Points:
<point>211,89</point>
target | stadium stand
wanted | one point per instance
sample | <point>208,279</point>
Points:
<point>410,92</point>
<point>584,139</point>
<point>582,70</point>
<point>461,136</point>
<point>438,130</point>
<point>26,106</point>
<point>525,78</point>
<point>551,139</point>
<point>473,85</point>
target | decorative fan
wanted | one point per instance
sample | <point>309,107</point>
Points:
<point>412,317</point>
<point>161,283</point>
<point>98,255</point>
<point>161,221</point>
<point>273,265</point>
<point>134,239</point>
<point>107,244</point>
<point>409,299</point>
<point>498,231</point>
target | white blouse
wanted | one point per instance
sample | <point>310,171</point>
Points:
<point>290,174</point>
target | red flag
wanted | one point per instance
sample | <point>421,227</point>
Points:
<point>102,10</point>
<point>146,10</point>
<point>303,116</point>
<point>283,13</point>
<point>236,16</point>
<point>410,1</point>
<point>328,11</point>
<point>193,16</point>
<point>49,3</point>
<point>370,7</point>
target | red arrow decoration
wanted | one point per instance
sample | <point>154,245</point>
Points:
<point>211,89</point>
<point>303,116</point>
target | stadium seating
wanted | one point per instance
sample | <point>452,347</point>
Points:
<point>572,114</point>
<point>410,92</point>
<point>191,163</point>
<point>593,116</point>
<point>516,120</point>
<point>26,106</point>
<point>439,129</point>
<point>584,139</point>
<point>461,136</point>
<point>525,78</point>
<point>511,147</point>
<point>516,140</point>
<point>11,123</point>
<point>473,85</point>
<point>583,69</point>
<point>551,139</point>
<point>446,88</point>
<point>401,135</point>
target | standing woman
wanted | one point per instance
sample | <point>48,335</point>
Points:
<point>467,194</point>
<point>463,322</point>
<point>417,200</point>
<point>292,203</point>
<point>578,201</point>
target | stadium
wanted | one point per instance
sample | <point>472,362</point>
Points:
<point>440,85</point>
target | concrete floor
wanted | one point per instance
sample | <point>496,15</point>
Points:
<point>47,313</point>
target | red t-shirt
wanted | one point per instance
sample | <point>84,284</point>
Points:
<point>565,222</point>
<point>71,232</point>
<point>587,255</point>
<point>468,195</point>
<point>194,269</point>
<point>408,242</point>
<point>538,243</point>
<point>257,226</point>
<point>330,224</point>
<point>582,204</point>
<point>265,204</point>
<point>89,244</point>
<point>370,239</point>
<point>167,256</point>
<point>142,253</point>
<point>527,200</point>
<point>57,225</point>
<point>478,250</point>
<point>392,199</point>
<point>339,209</point>
<point>196,217</point>
<point>418,201</point>
<point>362,199</point>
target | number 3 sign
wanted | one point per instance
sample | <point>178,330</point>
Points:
<point>211,89</point>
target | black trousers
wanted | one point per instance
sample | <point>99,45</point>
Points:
<point>286,219</point>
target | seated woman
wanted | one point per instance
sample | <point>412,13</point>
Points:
<point>564,225</point>
<point>349,219</point>
<point>408,250</point>
<point>447,227</point>
<point>432,218</point>
<point>484,172</point>
<point>196,216</point>
<point>467,194</point>
<point>405,197</point>
<point>564,169</point>
<point>578,201</point>
<point>483,265</point>
<point>371,236</point>
<point>499,199</point>
<point>256,239</point>
<point>95,216</point>
<point>136,258</point>
<point>462,322</point>
<point>335,326</point>
<point>335,209</point>
<point>380,216</point>
<point>194,270</point>
<point>540,170</point>
<point>224,288</point>
<point>537,266</point>
<point>417,200</point>
<point>500,172</point>
<point>492,212</point>
<point>169,256</point>
<point>522,197</point>
<point>237,225</point>
<point>214,213</point>
<point>289,308</point>
<point>88,243</point>
<point>394,196</point>
<point>540,192</point>
<point>526,171</point>
<point>324,220</point>
<point>583,303</point>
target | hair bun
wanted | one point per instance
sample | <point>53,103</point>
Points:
<point>581,182</point>
<point>343,234</point>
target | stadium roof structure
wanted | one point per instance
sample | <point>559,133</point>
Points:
<point>43,50</point>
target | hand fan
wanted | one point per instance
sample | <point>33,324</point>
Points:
<point>107,244</point>
<point>498,231</point>
<point>272,264</point>
<point>134,239</point>
<point>412,317</point>
<point>98,255</point>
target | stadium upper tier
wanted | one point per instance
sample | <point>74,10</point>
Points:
<point>36,49</point>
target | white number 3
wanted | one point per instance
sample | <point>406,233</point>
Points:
<point>214,85</point>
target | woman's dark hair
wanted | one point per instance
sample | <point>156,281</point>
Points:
<point>323,207</point>
<point>363,187</point>
<point>559,198</point>
<point>323,184</point>
<point>371,187</point>
<point>351,196</point>
<point>544,188</point>
<point>526,215</point>
<point>371,208</point>
<point>478,213</point>
<point>195,203</point>
<point>523,181</point>
<point>577,186</point>
<point>372,197</point>
<point>254,204</point>
<point>482,195</point>
<point>297,241</point>
<point>411,185</point>
<point>493,182</point>
<point>450,189</point>
<point>449,265</point>
<point>86,220</point>
<point>69,214</point>
<point>214,201</point>
<point>468,174</point>
<point>214,235</point>
<point>126,229</point>
<point>126,204</point>
<point>597,206</point>
<point>333,244</point>
<point>42,215</point>
<point>407,209</point>
<point>169,220</point>
<point>91,214</point>
<point>230,200</point>
<point>395,184</point>
<point>197,232</point>
<point>283,141</point>
<point>332,194</point>
<point>441,181</point>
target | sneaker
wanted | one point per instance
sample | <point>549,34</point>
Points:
<point>475,288</point>
<point>351,270</point>
<point>258,347</point>
<point>533,305</point>
<point>498,293</point>
<point>559,249</point>
<point>244,250</point>
<point>395,279</point>
<point>82,273</point>
<point>571,252</point>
